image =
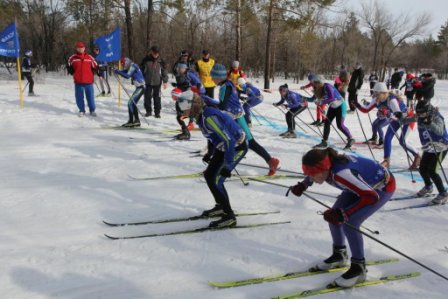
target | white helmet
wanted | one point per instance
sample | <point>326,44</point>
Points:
<point>235,64</point>
<point>185,100</point>
<point>380,87</point>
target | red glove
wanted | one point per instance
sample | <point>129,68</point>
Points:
<point>335,216</point>
<point>297,189</point>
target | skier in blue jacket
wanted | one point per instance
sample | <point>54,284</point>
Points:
<point>229,102</point>
<point>27,71</point>
<point>366,186</point>
<point>227,145</point>
<point>250,96</point>
<point>295,104</point>
<point>131,70</point>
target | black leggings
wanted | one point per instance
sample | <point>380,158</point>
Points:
<point>29,77</point>
<point>215,181</point>
<point>291,117</point>
<point>428,169</point>
<point>331,114</point>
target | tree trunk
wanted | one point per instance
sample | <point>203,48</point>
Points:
<point>267,62</point>
<point>149,23</point>
<point>129,28</point>
<point>238,30</point>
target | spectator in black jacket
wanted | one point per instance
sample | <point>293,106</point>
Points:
<point>354,86</point>
<point>373,79</point>
<point>395,80</point>
<point>424,88</point>
<point>154,70</point>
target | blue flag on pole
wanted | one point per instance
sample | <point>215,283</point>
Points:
<point>9,41</point>
<point>110,46</point>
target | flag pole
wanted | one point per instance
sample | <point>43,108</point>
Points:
<point>19,74</point>
<point>119,84</point>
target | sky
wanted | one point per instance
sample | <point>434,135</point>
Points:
<point>437,8</point>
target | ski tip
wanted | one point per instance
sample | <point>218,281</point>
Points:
<point>111,224</point>
<point>111,237</point>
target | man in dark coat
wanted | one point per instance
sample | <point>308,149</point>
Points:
<point>354,86</point>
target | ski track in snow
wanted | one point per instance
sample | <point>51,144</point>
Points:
<point>62,175</point>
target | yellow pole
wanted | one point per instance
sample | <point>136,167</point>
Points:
<point>19,73</point>
<point>119,85</point>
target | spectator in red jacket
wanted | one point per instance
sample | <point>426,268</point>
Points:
<point>82,66</point>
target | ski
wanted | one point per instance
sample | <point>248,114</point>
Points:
<point>291,275</point>
<point>197,230</point>
<point>414,196</point>
<point>265,167</point>
<point>200,174</point>
<point>180,176</point>
<point>179,219</point>
<point>333,288</point>
<point>418,206</point>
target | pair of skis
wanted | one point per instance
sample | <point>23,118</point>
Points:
<point>190,231</point>
<point>319,291</point>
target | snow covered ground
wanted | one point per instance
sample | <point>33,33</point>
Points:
<point>61,175</point>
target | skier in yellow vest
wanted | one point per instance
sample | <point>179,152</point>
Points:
<point>204,67</point>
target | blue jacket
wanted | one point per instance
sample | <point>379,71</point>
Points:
<point>254,96</point>
<point>361,176</point>
<point>293,99</point>
<point>134,72</point>
<point>222,131</point>
<point>26,65</point>
<point>229,99</point>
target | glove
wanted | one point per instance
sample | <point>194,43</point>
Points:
<point>243,97</point>
<point>275,104</point>
<point>225,172</point>
<point>116,71</point>
<point>398,114</point>
<point>365,102</point>
<point>206,158</point>
<point>297,189</point>
<point>202,90</point>
<point>335,216</point>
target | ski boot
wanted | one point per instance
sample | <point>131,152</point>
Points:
<point>349,144</point>
<point>338,259</point>
<point>425,190</point>
<point>322,145</point>
<point>356,274</point>
<point>214,212</point>
<point>273,165</point>
<point>284,133</point>
<point>136,124</point>
<point>185,135</point>
<point>441,198</point>
<point>370,141</point>
<point>227,220</point>
<point>290,134</point>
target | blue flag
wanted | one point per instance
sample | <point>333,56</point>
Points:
<point>110,46</point>
<point>9,41</point>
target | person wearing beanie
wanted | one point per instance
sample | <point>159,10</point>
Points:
<point>229,102</point>
<point>204,67</point>
<point>27,67</point>
<point>295,104</point>
<point>156,76</point>
<point>396,110</point>
<point>82,66</point>
<point>250,96</point>
<point>320,109</point>
<point>235,73</point>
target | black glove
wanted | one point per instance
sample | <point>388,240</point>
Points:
<point>297,189</point>
<point>335,216</point>
<point>206,158</point>
<point>398,114</point>
<point>275,104</point>
<point>225,172</point>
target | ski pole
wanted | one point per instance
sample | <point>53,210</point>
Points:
<point>310,197</point>
<point>23,90</point>
<point>331,123</point>
<point>284,113</point>
<point>364,133</point>
<point>390,247</point>
<point>264,118</point>
<point>404,147</point>
<point>238,174</point>
<point>314,121</point>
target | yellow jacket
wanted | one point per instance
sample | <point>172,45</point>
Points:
<point>204,68</point>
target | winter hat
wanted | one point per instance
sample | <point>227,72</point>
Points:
<point>182,66</point>
<point>283,87</point>
<point>80,44</point>
<point>185,100</point>
<point>423,106</point>
<point>311,77</point>
<point>410,76</point>
<point>218,72</point>
<point>28,53</point>
<point>318,79</point>
<point>125,62</point>
<point>205,52</point>
<point>235,64</point>
<point>184,53</point>
<point>380,87</point>
<point>242,83</point>
<point>154,49</point>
